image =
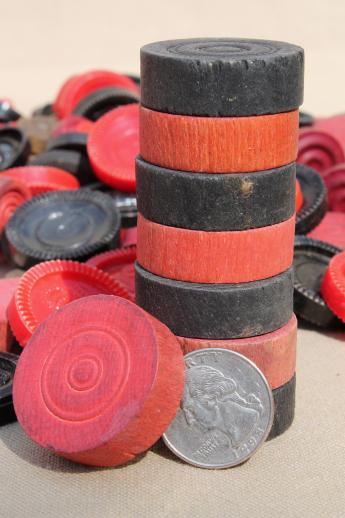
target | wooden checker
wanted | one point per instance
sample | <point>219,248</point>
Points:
<point>105,390</point>
<point>274,353</point>
<point>218,144</point>
<point>215,257</point>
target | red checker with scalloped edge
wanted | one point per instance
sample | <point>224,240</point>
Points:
<point>40,178</point>
<point>118,263</point>
<point>49,286</point>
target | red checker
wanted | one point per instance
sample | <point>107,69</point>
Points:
<point>129,236</point>
<point>318,149</point>
<point>336,200</point>
<point>215,257</point>
<point>119,264</point>
<point>113,145</point>
<point>72,123</point>
<point>7,289</point>
<point>331,229</point>
<point>299,197</point>
<point>333,285</point>
<point>99,381</point>
<point>49,286</point>
<point>335,182</point>
<point>13,193</point>
<point>62,95</point>
<point>80,86</point>
<point>41,179</point>
<point>274,353</point>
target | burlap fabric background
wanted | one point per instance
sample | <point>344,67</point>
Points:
<point>300,474</point>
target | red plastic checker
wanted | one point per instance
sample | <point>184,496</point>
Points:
<point>119,264</point>
<point>335,182</point>
<point>335,175</point>
<point>13,193</point>
<point>99,381</point>
<point>334,126</point>
<point>58,106</point>
<point>48,286</point>
<point>331,229</point>
<point>336,199</point>
<point>318,149</point>
<point>72,123</point>
<point>333,285</point>
<point>78,87</point>
<point>41,179</point>
<point>7,289</point>
<point>113,145</point>
<point>299,197</point>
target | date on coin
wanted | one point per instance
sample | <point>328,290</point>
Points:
<point>226,411</point>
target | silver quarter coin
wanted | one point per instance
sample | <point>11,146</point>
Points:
<point>226,411</point>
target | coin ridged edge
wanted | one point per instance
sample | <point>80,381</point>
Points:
<point>270,422</point>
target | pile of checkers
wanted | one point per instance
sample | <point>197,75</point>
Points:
<point>319,260</point>
<point>216,201</point>
<point>196,341</point>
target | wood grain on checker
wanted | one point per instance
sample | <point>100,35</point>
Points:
<point>215,257</point>
<point>212,202</point>
<point>218,144</point>
<point>221,76</point>
<point>217,311</point>
<point>274,353</point>
<point>99,381</point>
<point>284,407</point>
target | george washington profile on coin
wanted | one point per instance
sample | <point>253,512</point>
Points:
<point>226,411</point>
<point>212,401</point>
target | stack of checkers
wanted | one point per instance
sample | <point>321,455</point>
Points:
<point>216,199</point>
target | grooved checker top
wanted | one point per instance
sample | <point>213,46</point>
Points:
<point>222,76</point>
<point>99,381</point>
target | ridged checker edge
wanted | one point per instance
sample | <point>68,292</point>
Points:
<point>28,280</point>
<point>308,242</point>
<point>81,194</point>
<point>319,203</point>
<point>126,252</point>
<point>91,100</point>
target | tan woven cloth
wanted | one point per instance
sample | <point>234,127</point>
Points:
<point>300,474</point>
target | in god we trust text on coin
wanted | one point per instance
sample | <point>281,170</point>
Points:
<point>226,411</point>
